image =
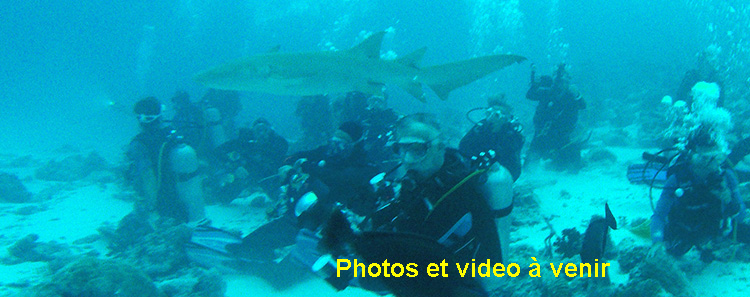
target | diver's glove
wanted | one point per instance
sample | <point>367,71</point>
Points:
<point>283,172</point>
<point>325,267</point>
<point>727,226</point>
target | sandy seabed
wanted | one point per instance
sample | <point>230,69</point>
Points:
<point>78,208</point>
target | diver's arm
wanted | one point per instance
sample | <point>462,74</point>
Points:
<point>733,185</point>
<point>150,188</point>
<point>533,93</point>
<point>580,103</point>
<point>739,151</point>
<point>144,176</point>
<point>659,218</point>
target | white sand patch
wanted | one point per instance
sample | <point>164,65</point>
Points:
<point>243,285</point>
<point>570,200</point>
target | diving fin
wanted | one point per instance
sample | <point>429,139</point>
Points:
<point>644,173</point>
<point>208,248</point>
<point>214,238</point>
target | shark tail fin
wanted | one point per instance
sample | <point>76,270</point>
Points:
<point>609,217</point>
<point>443,79</point>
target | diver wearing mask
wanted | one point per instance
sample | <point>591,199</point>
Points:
<point>700,201</point>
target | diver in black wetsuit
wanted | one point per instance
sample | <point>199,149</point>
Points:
<point>700,201</point>
<point>555,120</point>
<point>250,160</point>
<point>497,137</point>
<point>189,120</point>
<point>314,182</point>
<point>164,170</point>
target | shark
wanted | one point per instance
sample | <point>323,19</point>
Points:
<point>359,68</point>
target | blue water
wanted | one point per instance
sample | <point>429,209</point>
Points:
<point>64,63</point>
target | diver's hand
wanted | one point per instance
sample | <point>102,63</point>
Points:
<point>241,173</point>
<point>299,162</point>
<point>283,172</point>
<point>657,250</point>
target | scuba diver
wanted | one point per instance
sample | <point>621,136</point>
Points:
<point>349,108</point>
<point>315,121</point>
<point>703,71</point>
<point>340,165</point>
<point>188,119</point>
<point>313,183</point>
<point>700,201</point>
<point>497,137</point>
<point>250,160</point>
<point>220,107</point>
<point>555,120</point>
<point>164,169</point>
<point>378,123</point>
<point>437,196</point>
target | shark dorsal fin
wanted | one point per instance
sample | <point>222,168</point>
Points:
<point>274,49</point>
<point>412,59</point>
<point>370,47</point>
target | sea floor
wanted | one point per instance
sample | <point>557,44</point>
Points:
<point>70,213</point>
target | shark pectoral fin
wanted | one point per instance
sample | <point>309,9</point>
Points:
<point>372,88</point>
<point>442,91</point>
<point>370,47</point>
<point>412,59</point>
<point>415,89</point>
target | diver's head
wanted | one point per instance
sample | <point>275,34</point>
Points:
<point>261,128</point>
<point>344,138</point>
<point>181,99</point>
<point>706,156</point>
<point>419,144</point>
<point>148,112</point>
<point>498,110</point>
<point>562,78</point>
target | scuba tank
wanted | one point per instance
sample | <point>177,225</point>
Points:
<point>189,183</point>
<point>215,129</point>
